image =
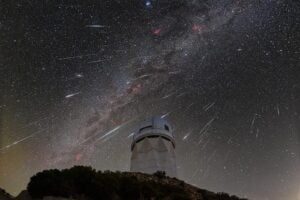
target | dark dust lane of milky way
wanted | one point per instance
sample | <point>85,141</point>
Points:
<point>77,77</point>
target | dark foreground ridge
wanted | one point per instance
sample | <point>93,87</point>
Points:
<point>4,195</point>
<point>85,183</point>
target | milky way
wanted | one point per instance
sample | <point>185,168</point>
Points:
<point>79,77</point>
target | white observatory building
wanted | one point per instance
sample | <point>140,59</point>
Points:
<point>153,148</point>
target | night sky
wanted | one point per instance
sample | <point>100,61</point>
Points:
<point>77,77</point>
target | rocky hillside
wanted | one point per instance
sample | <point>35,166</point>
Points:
<point>85,183</point>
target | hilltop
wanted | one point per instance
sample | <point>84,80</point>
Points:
<point>85,183</point>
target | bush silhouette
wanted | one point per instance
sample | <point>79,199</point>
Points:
<point>46,183</point>
<point>160,174</point>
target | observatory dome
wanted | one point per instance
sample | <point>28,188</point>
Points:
<point>153,147</point>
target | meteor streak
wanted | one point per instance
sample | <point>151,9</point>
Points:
<point>21,140</point>
<point>71,95</point>
<point>95,26</point>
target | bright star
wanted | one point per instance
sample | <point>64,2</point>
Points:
<point>148,3</point>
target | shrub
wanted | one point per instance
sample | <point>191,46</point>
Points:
<point>160,174</point>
